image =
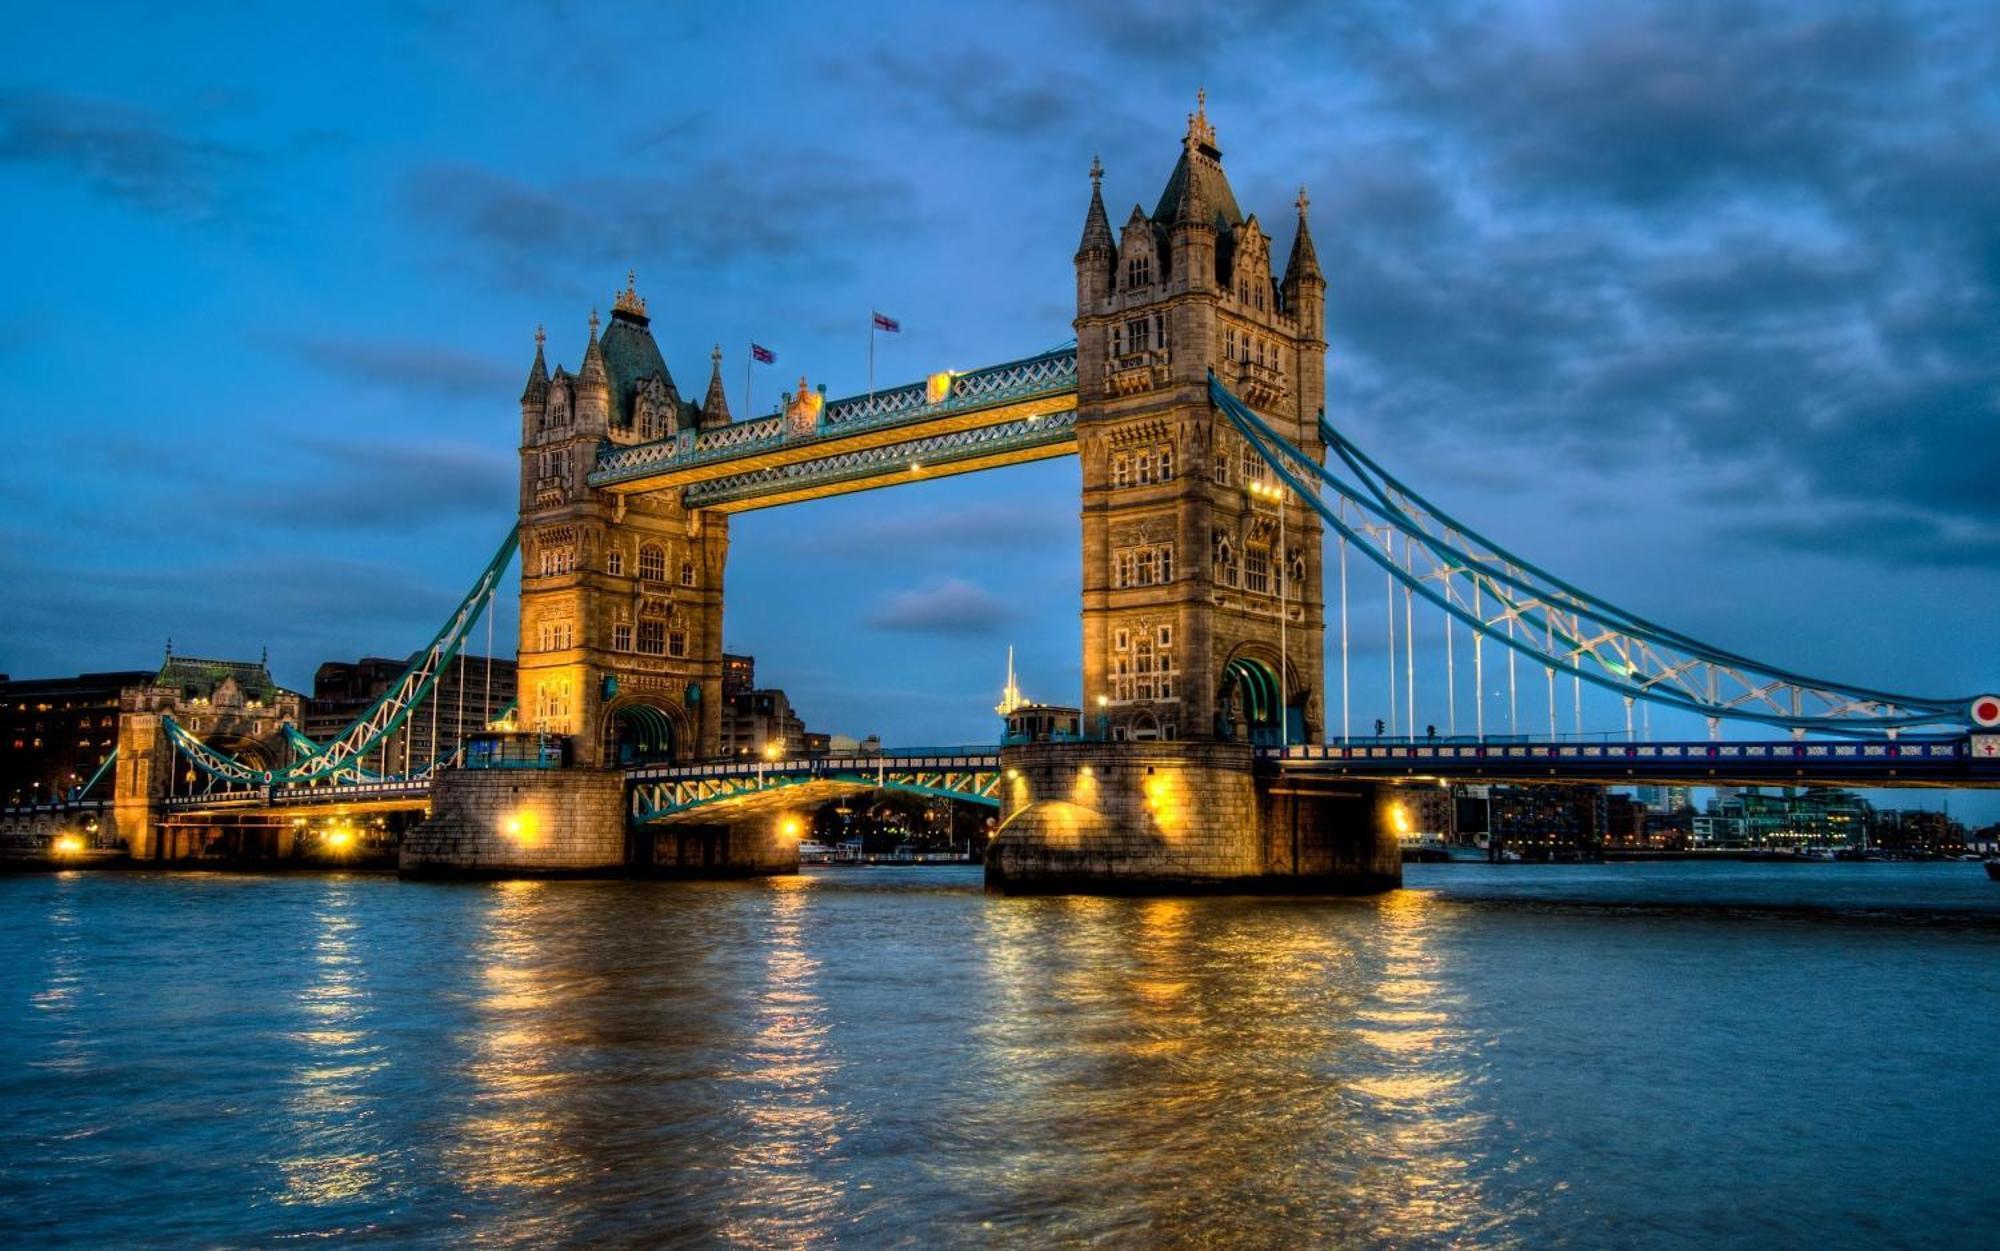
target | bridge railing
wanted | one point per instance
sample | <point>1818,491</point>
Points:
<point>953,757</point>
<point>1858,752</point>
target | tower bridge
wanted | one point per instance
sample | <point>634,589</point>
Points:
<point>1207,753</point>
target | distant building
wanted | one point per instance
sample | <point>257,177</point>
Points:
<point>755,721</point>
<point>1664,798</point>
<point>1759,819</point>
<point>1547,822</point>
<point>54,732</point>
<point>739,675</point>
<point>471,692</point>
<point>1625,823</point>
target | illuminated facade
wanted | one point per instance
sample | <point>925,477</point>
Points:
<point>621,596</point>
<point>1202,613</point>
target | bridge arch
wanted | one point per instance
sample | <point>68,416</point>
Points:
<point>1252,701</point>
<point>636,730</point>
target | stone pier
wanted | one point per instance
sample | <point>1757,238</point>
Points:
<point>521,823</point>
<point>1181,818</point>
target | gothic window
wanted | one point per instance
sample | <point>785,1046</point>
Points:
<point>621,637</point>
<point>1219,469</point>
<point>614,562</point>
<point>1138,334</point>
<point>1257,569</point>
<point>558,409</point>
<point>652,638</point>
<point>1143,468</point>
<point>653,562</point>
<point>1260,297</point>
<point>1166,562</point>
<point>1225,563</point>
<point>1127,574</point>
<point>1121,639</point>
<point>1121,470</point>
<point>1139,271</point>
<point>1166,636</point>
<point>1253,468</point>
<point>1298,574</point>
<point>1229,343</point>
<point>677,643</point>
<point>1166,464</point>
<point>552,703</point>
<point>687,573</point>
<point>557,558</point>
<point>1145,565</point>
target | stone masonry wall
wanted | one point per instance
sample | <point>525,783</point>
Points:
<point>520,823</point>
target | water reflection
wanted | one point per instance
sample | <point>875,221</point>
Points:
<point>336,1153</point>
<point>787,1127</point>
<point>68,1043</point>
<point>1170,1065</point>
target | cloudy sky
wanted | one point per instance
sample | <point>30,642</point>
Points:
<point>1698,304</point>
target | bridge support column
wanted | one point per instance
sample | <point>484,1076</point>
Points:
<point>1181,818</point>
<point>503,823</point>
<point>138,779</point>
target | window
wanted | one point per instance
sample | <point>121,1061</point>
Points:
<point>1220,469</point>
<point>614,562</point>
<point>555,636</point>
<point>1167,562</point>
<point>1125,570</point>
<point>1121,470</point>
<point>687,573</point>
<point>1139,271</point>
<point>1165,464</point>
<point>1142,468</point>
<point>621,637</point>
<point>1229,343</point>
<point>1138,334</point>
<point>652,637</point>
<point>557,558</point>
<point>677,644</point>
<point>653,562</point>
<point>1257,569</point>
<point>1121,639</point>
<point>1166,636</point>
<point>1145,566</point>
<point>1225,563</point>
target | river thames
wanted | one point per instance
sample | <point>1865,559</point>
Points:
<point>1664,1055</point>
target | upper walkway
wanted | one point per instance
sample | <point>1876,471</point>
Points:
<point>1020,411</point>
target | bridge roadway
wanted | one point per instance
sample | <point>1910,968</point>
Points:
<point>734,789</point>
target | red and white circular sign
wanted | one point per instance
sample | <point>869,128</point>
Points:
<point>1986,711</point>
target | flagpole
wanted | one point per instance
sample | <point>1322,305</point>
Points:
<point>748,357</point>
<point>871,357</point>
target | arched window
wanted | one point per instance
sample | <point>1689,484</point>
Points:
<point>1166,562</point>
<point>653,562</point>
<point>1225,563</point>
<point>687,573</point>
<point>614,562</point>
<point>1139,270</point>
<point>1166,464</point>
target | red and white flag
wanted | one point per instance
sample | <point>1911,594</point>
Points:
<point>763,355</point>
<point>889,324</point>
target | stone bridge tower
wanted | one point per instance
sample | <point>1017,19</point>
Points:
<point>1202,606</point>
<point>621,597</point>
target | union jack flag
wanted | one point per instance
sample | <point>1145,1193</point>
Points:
<point>763,355</point>
<point>889,324</point>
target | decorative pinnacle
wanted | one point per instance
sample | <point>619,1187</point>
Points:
<point>1199,131</point>
<point>1304,201</point>
<point>1096,171</point>
<point>715,356</point>
<point>541,336</point>
<point>628,300</point>
<point>593,323</point>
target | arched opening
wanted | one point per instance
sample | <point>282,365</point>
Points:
<point>1248,702</point>
<point>637,734</point>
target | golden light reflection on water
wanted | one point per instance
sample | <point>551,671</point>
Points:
<point>783,1193</point>
<point>335,1156</point>
<point>509,1137</point>
<point>1290,1067</point>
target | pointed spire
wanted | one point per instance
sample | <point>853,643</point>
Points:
<point>715,407</point>
<point>1096,225</point>
<point>537,389</point>
<point>592,369</point>
<point>1200,134</point>
<point>1305,261</point>
<point>1010,697</point>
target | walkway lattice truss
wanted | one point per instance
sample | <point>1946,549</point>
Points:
<point>970,774</point>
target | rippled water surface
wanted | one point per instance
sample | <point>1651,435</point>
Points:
<point>1661,1055</point>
